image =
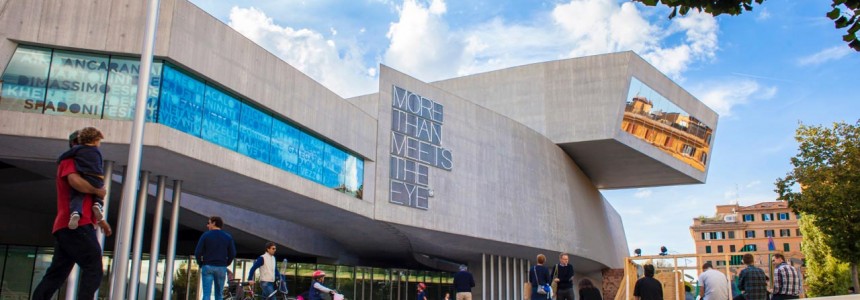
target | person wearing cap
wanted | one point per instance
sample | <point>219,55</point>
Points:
<point>422,293</point>
<point>77,245</point>
<point>317,287</point>
<point>463,284</point>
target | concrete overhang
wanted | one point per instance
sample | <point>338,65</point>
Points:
<point>579,104</point>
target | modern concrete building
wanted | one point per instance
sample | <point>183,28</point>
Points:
<point>486,170</point>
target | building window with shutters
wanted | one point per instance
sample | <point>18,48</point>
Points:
<point>707,249</point>
<point>767,217</point>
<point>768,233</point>
<point>784,232</point>
<point>749,218</point>
<point>732,248</point>
<point>782,216</point>
<point>731,234</point>
<point>749,234</point>
<point>720,249</point>
<point>785,247</point>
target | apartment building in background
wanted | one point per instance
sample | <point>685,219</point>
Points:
<point>734,229</point>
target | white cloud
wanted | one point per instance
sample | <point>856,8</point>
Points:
<point>340,69</point>
<point>643,193</point>
<point>823,56</point>
<point>421,43</point>
<point>723,96</point>
<point>763,15</point>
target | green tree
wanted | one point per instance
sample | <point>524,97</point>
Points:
<point>825,275</point>
<point>827,172</point>
<point>843,12</point>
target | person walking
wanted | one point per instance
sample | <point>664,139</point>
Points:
<point>752,281</point>
<point>563,273</point>
<point>73,246</point>
<point>648,288</point>
<point>215,251</point>
<point>463,283</point>
<point>268,271</point>
<point>715,285</point>
<point>787,283</point>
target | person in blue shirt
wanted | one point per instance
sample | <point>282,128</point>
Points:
<point>215,251</point>
<point>539,276</point>
<point>317,287</point>
<point>463,284</point>
<point>268,271</point>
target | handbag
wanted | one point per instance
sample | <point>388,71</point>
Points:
<point>527,290</point>
<point>554,285</point>
<point>543,288</point>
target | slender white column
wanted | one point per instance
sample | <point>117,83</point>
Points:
<point>140,220</point>
<point>155,244</point>
<point>171,241</point>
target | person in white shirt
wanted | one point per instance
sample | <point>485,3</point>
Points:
<point>715,285</point>
<point>268,271</point>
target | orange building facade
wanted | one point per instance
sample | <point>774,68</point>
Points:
<point>735,229</point>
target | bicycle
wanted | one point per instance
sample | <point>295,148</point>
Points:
<point>238,290</point>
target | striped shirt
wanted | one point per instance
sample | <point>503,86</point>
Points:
<point>787,280</point>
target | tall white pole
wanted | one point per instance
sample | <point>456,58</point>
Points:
<point>135,147</point>
<point>171,242</point>
<point>155,243</point>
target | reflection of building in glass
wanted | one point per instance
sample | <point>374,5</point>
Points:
<point>675,132</point>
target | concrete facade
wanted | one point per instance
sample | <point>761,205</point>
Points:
<point>531,146</point>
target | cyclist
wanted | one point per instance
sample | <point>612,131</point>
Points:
<point>317,287</point>
<point>268,271</point>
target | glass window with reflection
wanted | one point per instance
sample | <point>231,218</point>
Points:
<point>121,98</point>
<point>652,117</point>
<point>77,84</point>
<point>220,118</point>
<point>255,130</point>
<point>25,80</point>
<point>181,103</point>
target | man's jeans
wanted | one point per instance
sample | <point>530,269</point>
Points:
<point>210,274</point>
<point>268,289</point>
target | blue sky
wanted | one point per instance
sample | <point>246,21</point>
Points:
<point>763,72</point>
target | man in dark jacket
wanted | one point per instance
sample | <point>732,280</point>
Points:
<point>648,288</point>
<point>563,277</point>
<point>463,284</point>
<point>215,251</point>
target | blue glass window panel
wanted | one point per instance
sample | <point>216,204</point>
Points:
<point>77,84</point>
<point>284,153</point>
<point>255,131</point>
<point>181,103</point>
<point>25,80</point>
<point>123,74</point>
<point>221,118</point>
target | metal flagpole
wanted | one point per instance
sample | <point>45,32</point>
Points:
<point>118,290</point>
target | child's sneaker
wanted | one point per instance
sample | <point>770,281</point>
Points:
<point>98,213</point>
<point>73,220</point>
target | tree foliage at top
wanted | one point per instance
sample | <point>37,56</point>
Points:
<point>843,12</point>
<point>827,170</point>
<point>825,275</point>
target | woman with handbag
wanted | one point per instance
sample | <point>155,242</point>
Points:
<point>540,280</point>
